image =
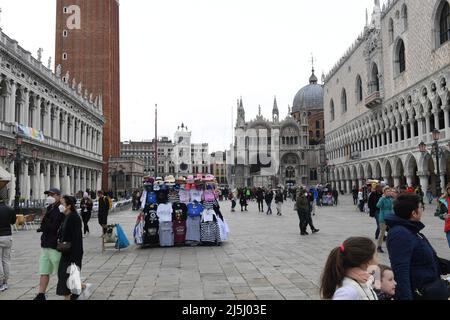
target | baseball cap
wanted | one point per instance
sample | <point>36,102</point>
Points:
<point>53,191</point>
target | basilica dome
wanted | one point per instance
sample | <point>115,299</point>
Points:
<point>309,97</point>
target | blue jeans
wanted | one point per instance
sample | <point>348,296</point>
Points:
<point>448,238</point>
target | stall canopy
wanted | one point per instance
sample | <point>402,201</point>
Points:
<point>5,177</point>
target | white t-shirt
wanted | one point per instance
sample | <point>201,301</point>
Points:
<point>165,212</point>
<point>208,215</point>
<point>196,195</point>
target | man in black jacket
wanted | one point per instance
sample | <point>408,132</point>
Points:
<point>260,199</point>
<point>103,210</point>
<point>50,257</point>
<point>374,196</point>
<point>7,218</point>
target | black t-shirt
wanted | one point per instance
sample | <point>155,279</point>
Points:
<point>179,212</point>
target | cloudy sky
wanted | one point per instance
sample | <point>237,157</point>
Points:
<point>195,58</point>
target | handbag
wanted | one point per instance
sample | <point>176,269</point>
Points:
<point>436,290</point>
<point>63,247</point>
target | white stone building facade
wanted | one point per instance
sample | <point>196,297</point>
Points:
<point>71,121</point>
<point>387,94</point>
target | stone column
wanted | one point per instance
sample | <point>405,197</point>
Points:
<point>11,108</point>
<point>436,120</point>
<point>78,180</point>
<point>424,181</point>
<point>399,133</point>
<point>83,183</point>
<point>99,180</point>
<point>383,138</point>
<point>72,181</point>
<point>57,177</point>
<point>446,115</point>
<point>409,180</point>
<point>48,115</point>
<point>427,124</point>
<point>24,107</point>
<point>349,186</point>
<point>443,174</point>
<point>100,144</point>
<point>62,179</point>
<point>48,177</point>
<point>411,127</point>
<point>57,123</point>
<point>393,129</point>
<point>405,130</point>
<point>420,127</point>
<point>396,181</point>
<point>37,181</point>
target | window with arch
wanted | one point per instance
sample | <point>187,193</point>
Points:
<point>391,30</point>
<point>400,60</point>
<point>344,101</point>
<point>444,23</point>
<point>405,16</point>
<point>375,81</point>
<point>332,110</point>
<point>359,89</point>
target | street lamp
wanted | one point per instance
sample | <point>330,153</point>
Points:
<point>436,151</point>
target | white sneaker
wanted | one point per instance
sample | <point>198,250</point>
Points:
<point>86,293</point>
<point>3,287</point>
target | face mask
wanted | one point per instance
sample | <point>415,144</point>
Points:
<point>50,200</point>
<point>62,208</point>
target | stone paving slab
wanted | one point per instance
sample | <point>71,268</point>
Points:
<point>265,258</point>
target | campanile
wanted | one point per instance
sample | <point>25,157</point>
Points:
<point>87,46</point>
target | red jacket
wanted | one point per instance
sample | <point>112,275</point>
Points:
<point>445,210</point>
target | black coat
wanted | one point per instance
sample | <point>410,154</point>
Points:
<point>7,218</point>
<point>269,197</point>
<point>103,206</point>
<point>50,225</point>
<point>71,232</point>
<point>372,203</point>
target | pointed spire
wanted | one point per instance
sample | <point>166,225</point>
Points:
<point>241,104</point>
<point>275,104</point>
<point>259,110</point>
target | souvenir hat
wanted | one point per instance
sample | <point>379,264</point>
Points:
<point>156,188</point>
<point>209,178</point>
<point>180,180</point>
<point>187,187</point>
<point>169,179</point>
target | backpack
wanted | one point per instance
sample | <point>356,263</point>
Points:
<point>110,203</point>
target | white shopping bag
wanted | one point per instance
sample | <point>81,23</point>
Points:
<point>223,228</point>
<point>74,281</point>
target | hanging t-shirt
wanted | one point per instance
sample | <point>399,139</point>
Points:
<point>194,209</point>
<point>185,196</point>
<point>165,212</point>
<point>151,197</point>
<point>193,229</point>
<point>179,232</point>
<point>208,215</point>
<point>209,196</point>
<point>179,212</point>
<point>174,196</point>
<point>166,234</point>
<point>196,195</point>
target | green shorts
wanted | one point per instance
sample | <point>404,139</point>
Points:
<point>49,261</point>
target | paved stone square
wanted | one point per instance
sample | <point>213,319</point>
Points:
<point>265,258</point>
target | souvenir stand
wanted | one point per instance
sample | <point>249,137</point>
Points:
<point>180,212</point>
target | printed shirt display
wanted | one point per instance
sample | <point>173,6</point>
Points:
<point>208,215</point>
<point>174,197</point>
<point>179,232</point>
<point>209,196</point>
<point>193,228</point>
<point>185,196</point>
<point>179,212</point>
<point>165,212</point>
<point>166,234</point>
<point>151,197</point>
<point>196,195</point>
<point>194,209</point>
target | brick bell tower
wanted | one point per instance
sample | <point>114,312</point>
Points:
<point>87,46</point>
